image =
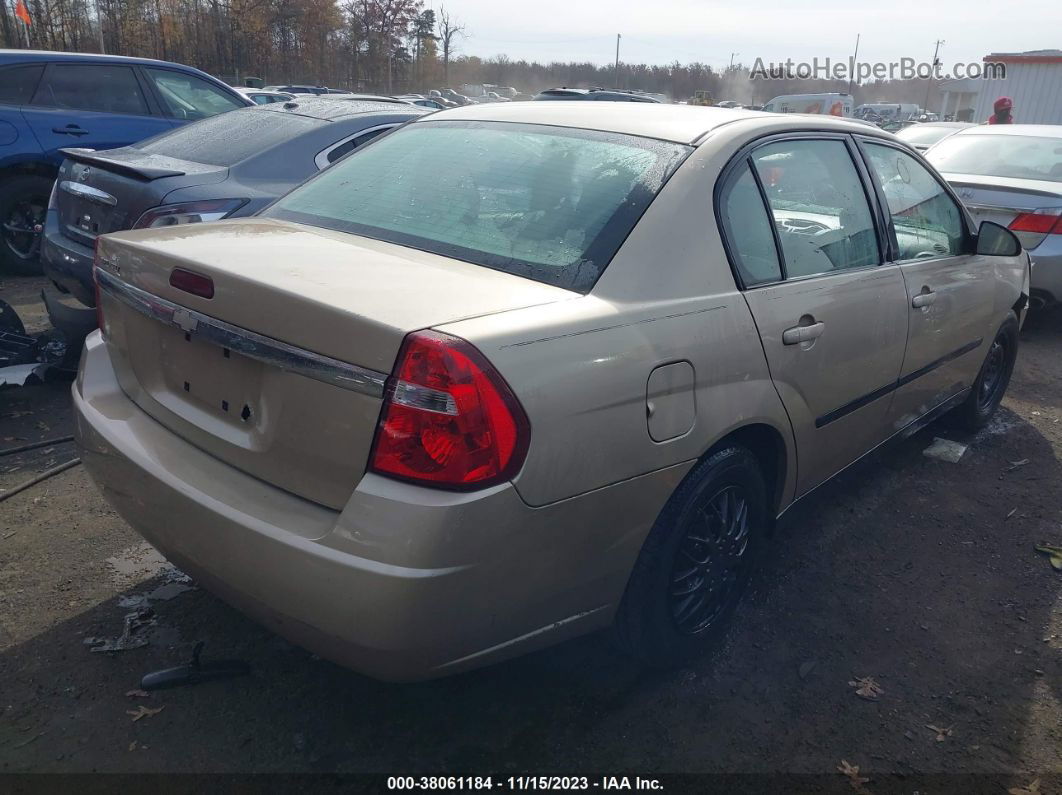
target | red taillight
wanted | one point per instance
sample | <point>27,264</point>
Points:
<point>192,282</point>
<point>1041,222</point>
<point>448,420</point>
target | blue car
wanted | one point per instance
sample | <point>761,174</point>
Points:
<point>52,100</point>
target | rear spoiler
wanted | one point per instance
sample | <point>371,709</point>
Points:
<point>138,166</point>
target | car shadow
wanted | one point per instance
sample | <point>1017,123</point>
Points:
<point>916,573</point>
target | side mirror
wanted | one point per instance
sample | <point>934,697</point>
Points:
<point>994,240</point>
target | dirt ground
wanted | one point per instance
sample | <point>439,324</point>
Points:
<point>918,573</point>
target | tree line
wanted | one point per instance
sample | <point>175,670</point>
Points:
<point>388,46</point>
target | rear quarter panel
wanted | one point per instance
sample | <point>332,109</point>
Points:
<point>580,368</point>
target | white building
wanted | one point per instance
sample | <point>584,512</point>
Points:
<point>1033,82</point>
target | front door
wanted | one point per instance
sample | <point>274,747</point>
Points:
<point>950,291</point>
<point>832,318</point>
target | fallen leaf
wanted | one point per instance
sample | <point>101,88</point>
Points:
<point>132,745</point>
<point>1054,554</point>
<point>1032,789</point>
<point>138,694</point>
<point>143,712</point>
<point>851,772</point>
<point>942,734</point>
<point>866,688</point>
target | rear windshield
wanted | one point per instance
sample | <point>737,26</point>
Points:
<point>1015,156</point>
<point>229,138</point>
<point>547,203</point>
<point>925,133</point>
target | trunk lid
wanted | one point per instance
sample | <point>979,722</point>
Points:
<point>1002,199</point>
<point>101,192</point>
<point>280,373</point>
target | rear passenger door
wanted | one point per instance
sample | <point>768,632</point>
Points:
<point>90,105</point>
<point>950,290</point>
<point>832,318</point>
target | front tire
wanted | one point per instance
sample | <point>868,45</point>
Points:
<point>696,561</point>
<point>992,380</point>
<point>23,204</point>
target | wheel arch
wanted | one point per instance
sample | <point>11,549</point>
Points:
<point>769,446</point>
<point>32,167</point>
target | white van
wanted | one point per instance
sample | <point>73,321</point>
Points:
<point>827,104</point>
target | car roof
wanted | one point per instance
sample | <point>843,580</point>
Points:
<point>679,123</point>
<point>1037,130</point>
<point>30,56</point>
<point>331,109</point>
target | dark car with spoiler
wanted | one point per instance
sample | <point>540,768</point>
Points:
<point>223,167</point>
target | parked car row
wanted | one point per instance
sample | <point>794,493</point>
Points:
<point>53,100</point>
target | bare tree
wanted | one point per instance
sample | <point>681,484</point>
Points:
<point>449,29</point>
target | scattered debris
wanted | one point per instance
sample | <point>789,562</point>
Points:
<point>1016,465</point>
<point>1012,512</point>
<point>33,446</point>
<point>806,668</point>
<point>32,739</point>
<point>39,478</point>
<point>132,745</point>
<point>1054,554</point>
<point>129,639</point>
<point>6,536</point>
<point>945,450</point>
<point>851,772</point>
<point>867,688</point>
<point>1031,789</point>
<point>942,734</point>
<point>195,672</point>
<point>143,712</point>
<point>137,694</point>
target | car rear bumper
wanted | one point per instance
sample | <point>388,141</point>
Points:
<point>1046,277</point>
<point>67,263</point>
<point>405,583</point>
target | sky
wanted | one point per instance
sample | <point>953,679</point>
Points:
<point>663,31</point>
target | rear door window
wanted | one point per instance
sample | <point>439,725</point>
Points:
<point>18,83</point>
<point>748,229</point>
<point>186,96</point>
<point>819,206</point>
<point>108,88</point>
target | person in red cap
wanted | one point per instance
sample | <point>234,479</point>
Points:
<point>1002,108</point>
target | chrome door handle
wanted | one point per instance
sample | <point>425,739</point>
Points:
<point>798,334</point>
<point>924,298</point>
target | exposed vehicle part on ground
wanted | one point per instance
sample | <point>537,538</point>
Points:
<point>440,405</point>
<point>194,672</point>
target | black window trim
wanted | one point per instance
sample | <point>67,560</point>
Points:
<point>321,160</point>
<point>50,65</point>
<point>24,65</point>
<point>870,193</point>
<point>969,236</point>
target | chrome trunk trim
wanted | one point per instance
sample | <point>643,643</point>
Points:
<point>247,343</point>
<point>88,192</point>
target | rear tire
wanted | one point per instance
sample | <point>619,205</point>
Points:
<point>992,380</point>
<point>696,561</point>
<point>23,204</point>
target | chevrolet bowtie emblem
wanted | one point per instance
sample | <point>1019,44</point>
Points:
<point>183,319</point>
